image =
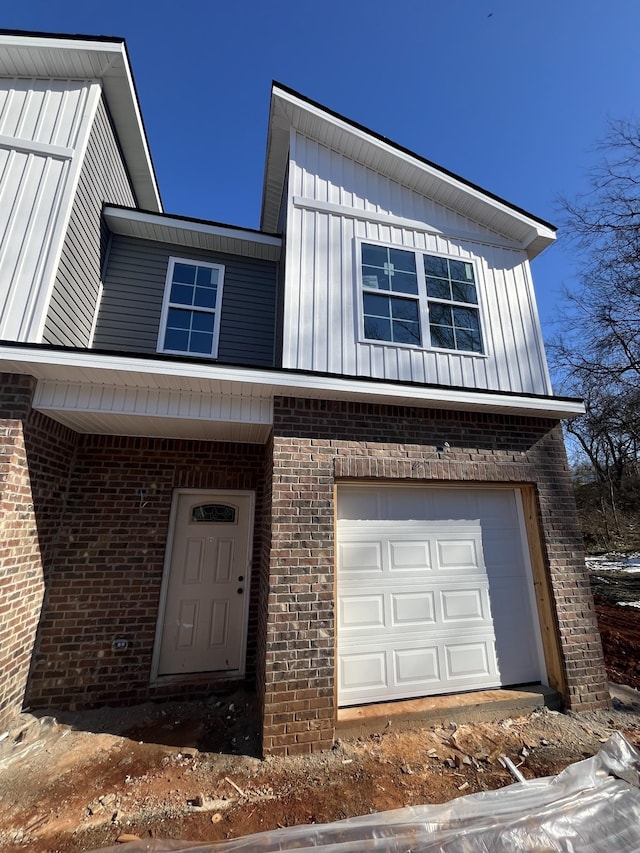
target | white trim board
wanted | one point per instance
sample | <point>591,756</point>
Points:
<point>402,222</point>
<point>86,367</point>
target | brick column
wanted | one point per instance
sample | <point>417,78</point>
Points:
<point>580,644</point>
<point>299,651</point>
<point>21,580</point>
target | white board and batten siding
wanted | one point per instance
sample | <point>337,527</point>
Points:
<point>335,202</point>
<point>435,593</point>
<point>44,127</point>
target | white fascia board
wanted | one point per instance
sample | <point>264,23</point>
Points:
<point>84,366</point>
<point>45,42</point>
<point>118,218</point>
<point>125,111</point>
<point>54,42</point>
<point>541,235</point>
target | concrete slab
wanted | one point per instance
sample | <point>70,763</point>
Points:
<point>440,710</point>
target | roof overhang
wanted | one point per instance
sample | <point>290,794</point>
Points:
<point>199,234</point>
<point>86,58</point>
<point>122,395</point>
<point>290,110</point>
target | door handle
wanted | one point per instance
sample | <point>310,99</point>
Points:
<point>240,590</point>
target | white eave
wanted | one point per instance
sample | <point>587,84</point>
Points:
<point>289,110</point>
<point>82,58</point>
<point>119,395</point>
<point>181,231</point>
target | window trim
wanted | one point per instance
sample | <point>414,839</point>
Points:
<point>422,298</point>
<point>167,304</point>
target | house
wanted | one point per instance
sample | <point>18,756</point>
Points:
<point>323,457</point>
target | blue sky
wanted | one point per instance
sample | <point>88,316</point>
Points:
<point>511,95</point>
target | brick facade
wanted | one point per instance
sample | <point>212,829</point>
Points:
<point>319,443</point>
<point>75,533</point>
<point>35,454</point>
<point>107,572</point>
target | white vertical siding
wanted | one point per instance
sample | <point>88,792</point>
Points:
<point>321,316</point>
<point>41,126</point>
<point>44,111</point>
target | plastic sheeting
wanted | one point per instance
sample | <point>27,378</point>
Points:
<point>591,807</point>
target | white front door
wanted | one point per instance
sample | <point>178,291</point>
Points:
<point>206,588</point>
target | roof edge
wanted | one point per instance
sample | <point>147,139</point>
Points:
<point>117,209</point>
<point>291,96</point>
<point>298,382</point>
<point>59,36</point>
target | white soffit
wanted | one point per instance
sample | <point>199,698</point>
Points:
<point>291,111</point>
<point>68,367</point>
<point>85,58</point>
<point>118,410</point>
<point>179,231</point>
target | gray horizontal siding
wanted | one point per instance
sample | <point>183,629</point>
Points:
<point>134,282</point>
<point>103,178</point>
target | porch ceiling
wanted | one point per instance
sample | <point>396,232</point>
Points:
<point>95,423</point>
<point>168,413</point>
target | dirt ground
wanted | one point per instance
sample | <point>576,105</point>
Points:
<point>191,771</point>
<point>619,624</point>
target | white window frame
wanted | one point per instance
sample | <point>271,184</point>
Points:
<point>167,304</point>
<point>421,297</point>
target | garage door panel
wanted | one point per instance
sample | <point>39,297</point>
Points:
<point>362,611</point>
<point>360,557</point>
<point>435,604</point>
<point>413,608</point>
<point>442,604</point>
<point>464,605</point>
<point>458,554</point>
<point>409,556</point>
<point>363,672</point>
<point>419,666</point>
<point>470,660</point>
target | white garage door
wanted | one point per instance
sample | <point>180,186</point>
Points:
<point>434,593</point>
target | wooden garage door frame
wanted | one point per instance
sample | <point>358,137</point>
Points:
<point>534,556</point>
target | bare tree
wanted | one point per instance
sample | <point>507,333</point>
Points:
<point>597,356</point>
<point>604,225</point>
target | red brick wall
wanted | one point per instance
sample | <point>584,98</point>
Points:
<point>35,454</point>
<point>71,516</point>
<point>264,569</point>
<point>317,442</point>
<point>106,578</point>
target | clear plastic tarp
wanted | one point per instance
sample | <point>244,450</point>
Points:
<point>591,807</point>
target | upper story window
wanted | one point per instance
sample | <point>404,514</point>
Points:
<point>391,304</point>
<point>410,297</point>
<point>190,321</point>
